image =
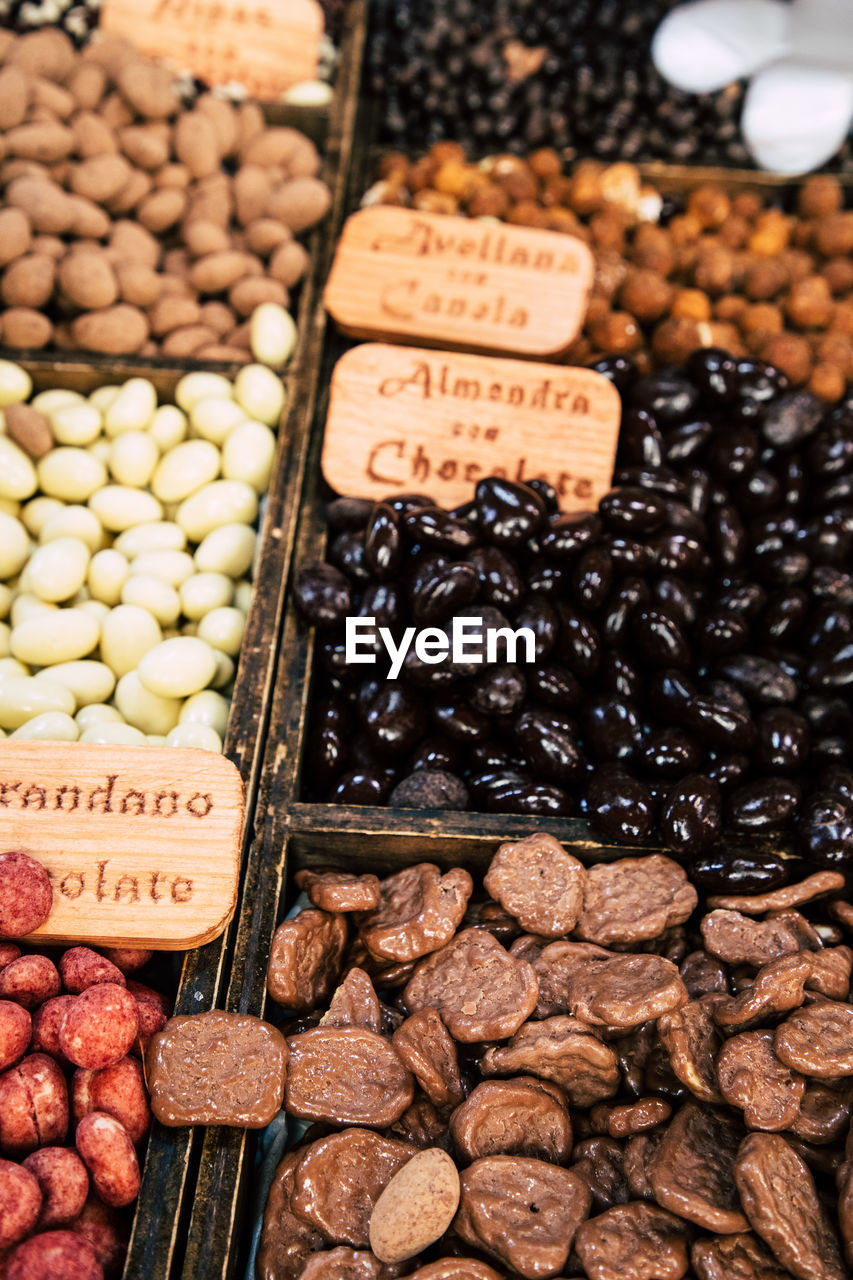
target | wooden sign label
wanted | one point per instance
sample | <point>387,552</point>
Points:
<point>142,844</point>
<point>436,422</point>
<point>458,282</point>
<point>265,45</point>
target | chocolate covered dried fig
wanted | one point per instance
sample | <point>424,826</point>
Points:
<point>423,1043</point>
<point>305,959</point>
<point>339,890</point>
<point>538,883</point>
<point>635,1241</point>
<point>817,1039</point>
<point>354,1004</point>
<point>738,939</point>
<point>633,899</point>
<point>691,1172</point>
<point>736,1257</point>
<point>691,1039</point>
<point>419,910</point>
<point>522,1212</point>
<point>623,991</point>
<point>564,1050</point>
<point>481,992</point>
<point>346,1075</point>
<point>778,987</point>
<point>789,895</point>
<point>778,1196</point>
<point>287,1241</point>
<point>752,1077</point>
<point>523,1116</point>
<point>216,1068</point>
<point>339,1179</point>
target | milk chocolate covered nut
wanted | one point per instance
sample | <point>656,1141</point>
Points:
<point>561,1049</point>
<point>107,1152</point>
<point>552,967</point>
<point>354,1004</point>
<point>216,1068</point>
<point>287,1241</point>
<point>305,958</point>
<point>817,1039</point>
<point>540,884</point>
<point>340,890</point>
<point>428,1051</point>
<point>790,895</point>
<point>418,912</point>
<point>100,1027</point>
<point>778,987</point>
<point>624,991</point>
<point>738,939</point>
<point>633,899</point>
<point>339,1179</point>
<point>481,992</point>
<point>25,894</point>
<point>523,1117</point>
<point>635,1241</point>
<point>691,1039</point>
<point>33,1105</point>
<point>691,1171</point>
<point>346,1075</point>
<point>736,1257</point>
<point>64,1183</point>
<point>416,1207</point>
<point>523,1212</point>
<point>779,1198</point>
<point>753,1078</point>
<point>20,1202</point>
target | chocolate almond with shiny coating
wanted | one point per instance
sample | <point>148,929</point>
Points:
<point>217,1068</point>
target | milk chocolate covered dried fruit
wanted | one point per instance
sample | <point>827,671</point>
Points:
<point>305,959</point>
<point>419,910</point>
<point>346,1075</point>
<point>540,884</point>
<point>216,1068</point>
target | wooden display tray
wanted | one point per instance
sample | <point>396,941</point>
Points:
<point>172,1189</point>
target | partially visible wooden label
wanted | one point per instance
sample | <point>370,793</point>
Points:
<point>265,45</point>
<point>142,844</point>
<point>436,422</point>
<point>459,282</point>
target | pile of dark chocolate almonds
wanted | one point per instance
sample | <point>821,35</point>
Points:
<point>694,656</point>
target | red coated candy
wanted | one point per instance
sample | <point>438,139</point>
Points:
<point>20,1202</point>
<point>100,1026</point>
<point>15,1032</point>
<point>64,1183</point>
<point>107,1151</point>
<point>25,894</point>
<point>54,1255</point>
<point>81,967</point>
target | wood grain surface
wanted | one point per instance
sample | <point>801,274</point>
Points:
<point>458,282</point>
<point>264,45</point>
<point>436,422</point>
<point>142,844</point>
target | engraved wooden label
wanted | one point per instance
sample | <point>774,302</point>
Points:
<point>142,844</point>
<point>458,282</point>
<point>265,45</point>
<point>436,422</point>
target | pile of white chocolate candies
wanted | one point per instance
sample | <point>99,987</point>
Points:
<point>126,552</point>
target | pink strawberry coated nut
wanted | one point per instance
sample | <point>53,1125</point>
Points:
<point>33,1105</point>
<point>8,953</point>
<point>54,1255</point>
<point>106,1231</point>
<point>81,1093</point>
<point>100,1026</point>
<point>25,894</point>
<point>64,1183</point>
<point>20,1202</point>
<point>29,980</point>
<point>107,1151</point>
<point>46,1023</point>
<point>16,1030</point>
<point>128,959</point>
<point>120,1091</point>
<point>147,995</point>
<point>81,967</point>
